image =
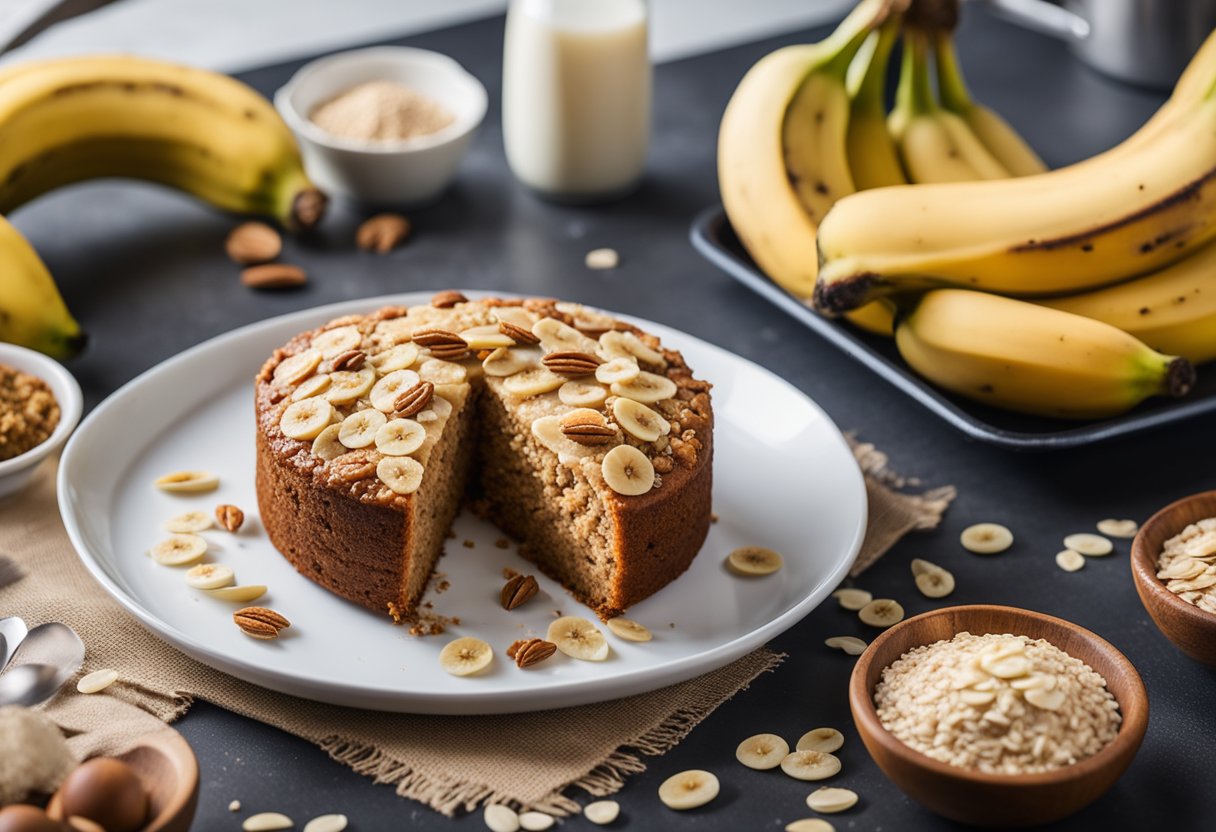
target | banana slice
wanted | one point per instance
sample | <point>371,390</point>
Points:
<point>627,471</point>
<point>882,612</point>
<point>581,394</point>
<point>618,369</point>
<point>326,445</point>
<point>1118,528</point>
<point>505,362</point>
<point>820,739</point>
<point>935,582</point>
<point>385,392</point>
<point>210,576</point>
<point>296,368</point>
<point>400,437</point>
<point>486,338</point>
<point>1090,545</point>
<point>515,315</point>
<point>361,428</point>
<point>1047,700</point>
<point>189,523</point>
<point>810,765</point>
<point>306,419</point>
<point>920,566</point>
<point>688,789</point>
<point>753,560</point>
<point>1069,560</point>
<point>500,818</point>
<point>628,629</point>
<point>849,644</point>
<point>533,382</point>
<point>1006,667</point>
<point>639,420</point>
<point>809,825</point>
<point>578,638</point>
<point>602,812</point>
<point>179,550</point>
<point>437,371</point>
<point>1044,681</point>
<point>548,432</point>
<point>334,342</point>
<point>977,698</point>
<point>619,344</point>
<point>311,386</point>
<point>647,388</point>
<point>400,357</point>
<point>535,821</point>
<point>347,386</point>
<point>465,656</point>
<point>240,594</point>
<point>402,474</point>
<point>831,800</point>
<point>986,538</point>
<point>188,482</point>
<point>762,752</point>
<point>852,599</point>
<point>556,336</point>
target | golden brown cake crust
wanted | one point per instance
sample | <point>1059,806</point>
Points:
<point>341,526</point>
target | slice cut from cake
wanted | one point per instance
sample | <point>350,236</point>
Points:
<point>577,434</point>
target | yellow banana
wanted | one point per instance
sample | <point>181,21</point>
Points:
<point>32,312</point>
<point>71,119</point>
<point>1124,213</point>
<point>1001,140</point>
<point>1173,310</point>
<point>1024,357</point>
<point>934,145</point>
<point>873,159</point>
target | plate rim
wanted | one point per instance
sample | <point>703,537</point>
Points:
<point>704,235</point>
<point>572,692</point>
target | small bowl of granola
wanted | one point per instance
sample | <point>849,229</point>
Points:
<point>1174,569</point>
<point>40,404</point>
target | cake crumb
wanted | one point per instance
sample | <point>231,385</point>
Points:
<point>234,806</point>
<point>502,543</point>
<point>451,534</point>
<point>508,572</point>
<point>468,544</point>
<point>713,517</point>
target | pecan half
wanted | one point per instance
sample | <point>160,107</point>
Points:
<point>442,343</point>
<point>529,651</point>
<point>274,276</point>
<point>518,590</point>
<point>571,363</point>
<point>517,333</point>
<point>349,360</point>
<point>587,428</point>
<point>414,400</point>
<point>229,516</point>
<point>260,622</point>
<point>448,299</point>
<point>382,233</point>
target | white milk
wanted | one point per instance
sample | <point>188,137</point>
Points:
<point>576,95</point>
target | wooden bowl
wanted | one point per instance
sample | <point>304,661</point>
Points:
<point>983,799</point>
<point>166,765</point>
<point>1192,630</point>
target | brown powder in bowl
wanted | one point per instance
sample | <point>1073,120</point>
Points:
<point>28,412</point>
<point>380,111</point>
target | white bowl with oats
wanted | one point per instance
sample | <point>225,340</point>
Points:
<point>383,126</point>
<point>17,471</point>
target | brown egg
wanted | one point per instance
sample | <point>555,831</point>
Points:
<point>107,791</point>
<point>27,819</point>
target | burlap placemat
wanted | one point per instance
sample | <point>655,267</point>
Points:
<point>449,763</point>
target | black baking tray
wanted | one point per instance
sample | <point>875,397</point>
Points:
<point>714,238</point>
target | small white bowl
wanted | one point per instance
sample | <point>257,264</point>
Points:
<point>16,472</point>
<point>405,172</point>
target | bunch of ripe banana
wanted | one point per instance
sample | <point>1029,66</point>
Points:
<point>64,121</point>
<point>933,220</point>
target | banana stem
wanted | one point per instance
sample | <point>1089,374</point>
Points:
<point>871,89</point>
<point>914,95</point>
<point>950,83</point>
<point>844,43</point>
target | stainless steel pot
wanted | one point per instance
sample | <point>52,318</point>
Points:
<point>1144,42</point>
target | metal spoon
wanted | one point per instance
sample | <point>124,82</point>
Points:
<point>57,654</point>
<point>12,633</point>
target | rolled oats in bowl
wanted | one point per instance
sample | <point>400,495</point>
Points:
<point>998,704</point>
<point>28,412</point>
<point>1187,564</point>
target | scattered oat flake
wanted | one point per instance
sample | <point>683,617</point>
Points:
<point>234,806</point>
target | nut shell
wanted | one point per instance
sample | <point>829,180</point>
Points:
<point>106,791</point>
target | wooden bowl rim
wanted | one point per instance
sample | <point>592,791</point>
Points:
<point>170,743</point>
<point>1144,566</point>
<point>1131,729</point>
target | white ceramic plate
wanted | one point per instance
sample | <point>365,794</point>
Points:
<point>783,478</point>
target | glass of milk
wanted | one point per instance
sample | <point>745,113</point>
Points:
<point>576,96</point>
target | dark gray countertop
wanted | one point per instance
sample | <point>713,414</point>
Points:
<point>144,270</point>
